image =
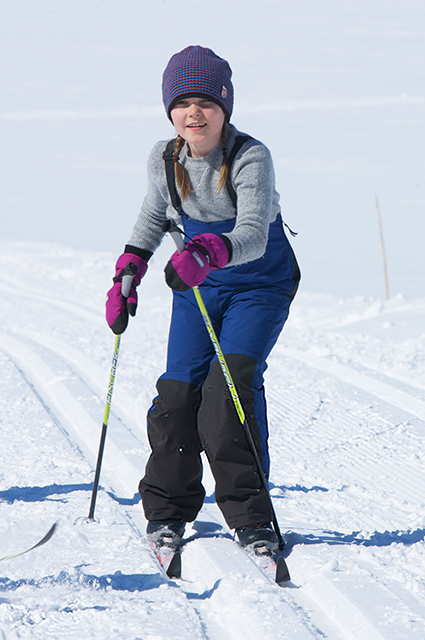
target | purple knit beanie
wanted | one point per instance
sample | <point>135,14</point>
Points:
<point>199,72</point>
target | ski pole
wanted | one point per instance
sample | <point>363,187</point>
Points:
<point>127,279</point>
<point>175,233</point>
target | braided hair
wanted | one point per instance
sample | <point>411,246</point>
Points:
<point>182,176</point>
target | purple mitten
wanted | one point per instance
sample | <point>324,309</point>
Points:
<point>119,306</point>
<point>189,268</point>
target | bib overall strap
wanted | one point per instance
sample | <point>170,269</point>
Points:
<point>168,157</point>
<point>239,142</point>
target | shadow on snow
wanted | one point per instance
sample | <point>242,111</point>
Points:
<point>377,539</point>
<point>116,582</point>
<point>298,487</point>
<point>38,494</point>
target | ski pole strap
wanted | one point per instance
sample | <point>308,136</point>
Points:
<point>176,233</point>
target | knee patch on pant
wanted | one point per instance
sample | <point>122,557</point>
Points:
<point>239,491</point>
<point>171,487</point>
<point>218,407</point>
<point>172,419</point>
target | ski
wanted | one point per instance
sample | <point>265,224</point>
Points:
<point>175,567</point>
<point>169,559</point>
<point>273,567</point>
<point>167,546</point>
<point>43,540</point>
<point>282,575</point>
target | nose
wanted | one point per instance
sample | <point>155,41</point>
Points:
<point>194,109</point>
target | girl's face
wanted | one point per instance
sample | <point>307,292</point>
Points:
<point>199,122</point>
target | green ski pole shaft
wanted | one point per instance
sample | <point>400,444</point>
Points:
<point>175,233</point>
<point>104,426</point>
<point>127,280</point>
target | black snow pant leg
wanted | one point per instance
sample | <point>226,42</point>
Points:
<point>171,487</point>
<point>239,491</point>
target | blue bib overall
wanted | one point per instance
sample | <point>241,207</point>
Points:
<point>248,306</point>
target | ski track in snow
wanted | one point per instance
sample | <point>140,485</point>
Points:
<point>347,441</point>
<point>57,375</point>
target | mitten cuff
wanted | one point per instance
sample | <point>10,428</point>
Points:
<point>142,253</point>
<point>229,247</point>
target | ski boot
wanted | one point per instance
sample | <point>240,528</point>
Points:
<point>261,543</point>
<point>258,539</point>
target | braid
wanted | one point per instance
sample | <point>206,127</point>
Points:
<point>182,177</point>
<point>224,171</point>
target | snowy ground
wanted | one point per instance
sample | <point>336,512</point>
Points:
<point>336,90</point>
<point>347,406</point>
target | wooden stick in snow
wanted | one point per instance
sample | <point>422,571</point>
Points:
<point>384,257</point>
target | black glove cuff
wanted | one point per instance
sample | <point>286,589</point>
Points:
<point>228,244</point>
<point>142,253</point>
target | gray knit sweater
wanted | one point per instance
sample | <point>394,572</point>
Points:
<point>252,177</point>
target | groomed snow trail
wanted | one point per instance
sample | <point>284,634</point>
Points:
<point>348,468</point>
<point>67,387</point>
<point>347,439</point>
<point>60,390</point>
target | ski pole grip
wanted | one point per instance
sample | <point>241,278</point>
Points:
<point>126,286</point>
<point>127,279</point>
<point>171,227</point>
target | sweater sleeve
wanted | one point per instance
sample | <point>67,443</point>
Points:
<point>253,179</point>
<point>147,232</point>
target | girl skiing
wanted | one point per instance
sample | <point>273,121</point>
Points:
<point>220,186</point>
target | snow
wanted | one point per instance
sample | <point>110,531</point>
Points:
<point>335,89</point>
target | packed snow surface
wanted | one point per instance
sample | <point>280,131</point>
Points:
<point>336,90</point>
<point>346,391</point>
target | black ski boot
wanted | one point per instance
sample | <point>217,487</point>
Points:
<point>258,539</point>
<point>165,533</point>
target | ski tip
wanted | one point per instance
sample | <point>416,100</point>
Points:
<point>49,533</point>
<point>46,537</point>
<point>175,567</point>
<point>40,543</point>
<point>282,572</point>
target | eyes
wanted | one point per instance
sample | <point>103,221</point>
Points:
<point>182,104</point>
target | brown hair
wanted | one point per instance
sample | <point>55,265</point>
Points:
<point>182,177</point>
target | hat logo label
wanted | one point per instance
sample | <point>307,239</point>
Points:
<point>223,92</point>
